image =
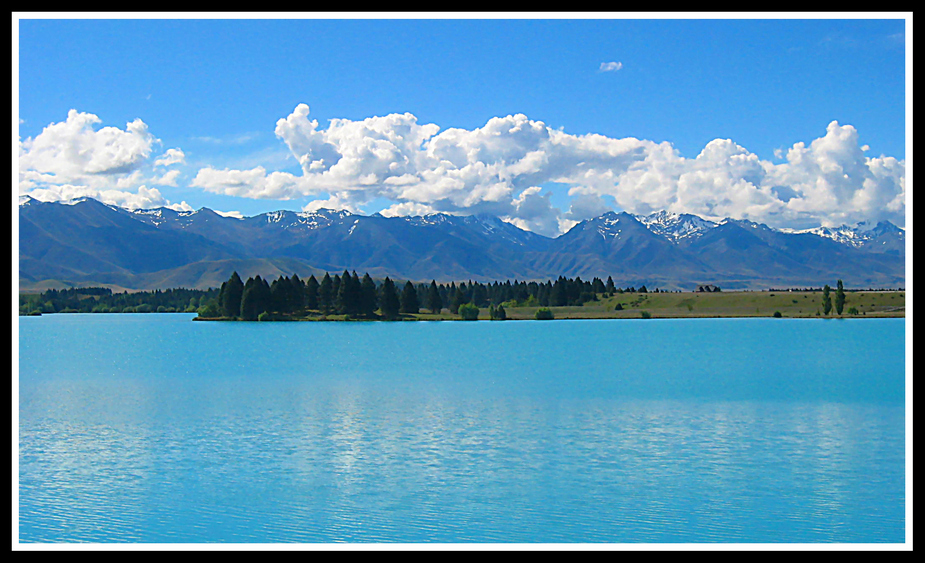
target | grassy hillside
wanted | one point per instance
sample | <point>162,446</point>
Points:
<point>735,304</point>
<point>724,304</point>
<point>796,304</point>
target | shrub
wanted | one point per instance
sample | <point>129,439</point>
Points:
<point>853,311</point>
<point>497,313</point>
<point>777,314</point>
<point>543,314</point>
<point>645,314</point>
<point>468,312</point>
<point>619,307</point>
<point>208,311</point>
<point>264,316</point>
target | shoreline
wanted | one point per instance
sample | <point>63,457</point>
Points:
<point>663,305</point>
<point>625,305</point>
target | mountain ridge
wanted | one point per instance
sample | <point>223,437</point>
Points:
<point>85,240</point>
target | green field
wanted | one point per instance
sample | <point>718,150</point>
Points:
<point>795,304</point>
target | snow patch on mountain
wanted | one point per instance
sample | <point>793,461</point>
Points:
<point>857,236</point>
<point>675,226</point>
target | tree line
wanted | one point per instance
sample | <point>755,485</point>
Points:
<point>103,300</point>
<point>348,294</point>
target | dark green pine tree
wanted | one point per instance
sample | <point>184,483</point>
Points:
<point>479,295</point>
<point>326,294</point>
<point>826,299</point>
<point>388,300</point>
<point>348,295</point>
<point>458,299</point>
<point>369,299</point>
<point>409,299</point>
<point>597,286</point>
<point>264,299</point>
<point>248,305</point>
<point>278,295</point>
<point>296,293</point>
<point>434,303</point>
<point>230,300</point>
<point>542,294</point>
<point>311,293</point>
<point>839,297</point>
<point>335,289</point>
<point>221,296</point>
<point>559,295</point>
<point>610,287</point>
<point>255,299</point>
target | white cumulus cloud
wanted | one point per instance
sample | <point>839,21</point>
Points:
<point>499,168</point>
<point>142,198</point>
<point>611,66</point>
<point>171,157</point>
<point>76,158</point>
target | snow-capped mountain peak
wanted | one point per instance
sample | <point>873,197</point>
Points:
<point>675,226</point>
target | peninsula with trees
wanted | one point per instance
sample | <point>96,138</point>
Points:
<point>346,296</point>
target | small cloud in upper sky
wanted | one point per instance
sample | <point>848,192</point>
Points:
<point>610,67</point>
<point>896,39</point>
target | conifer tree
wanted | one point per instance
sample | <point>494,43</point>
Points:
<point>278,295</point>
<point>311,293</point>
<point>369,300</point>
<point>434,303</point>
<point>335,289</point>
<point>597,286</point>
<point>348,295</point>
<point>559,295</point>
<point>247,301</point>
<point>542,295</point>
<point>230,300</point>
<point>479,295</point>
<point>839,297</point>
<point>388,300</point>
<point>409,299</point>
<point>326,294</point>
<point>826,299</point>
<point>458,299</point>
<point>611,289</point>
<point>221,296</point>
<point>296,293</point>
<point>264,298</point>
<point>255,298</point>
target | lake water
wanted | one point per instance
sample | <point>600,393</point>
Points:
<point>153,428</point>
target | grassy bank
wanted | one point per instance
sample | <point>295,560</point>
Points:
<point>789,304</point>
<point>728,304</point>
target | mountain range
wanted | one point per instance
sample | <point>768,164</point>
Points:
<point>86,242</point>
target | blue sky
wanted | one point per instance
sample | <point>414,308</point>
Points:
<point>215,89</point>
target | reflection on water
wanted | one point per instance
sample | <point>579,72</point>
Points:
<point>126,450</point>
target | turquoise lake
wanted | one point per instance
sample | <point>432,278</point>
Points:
<point>157,429</point>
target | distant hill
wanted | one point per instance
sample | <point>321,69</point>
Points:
<point>85,242</point>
